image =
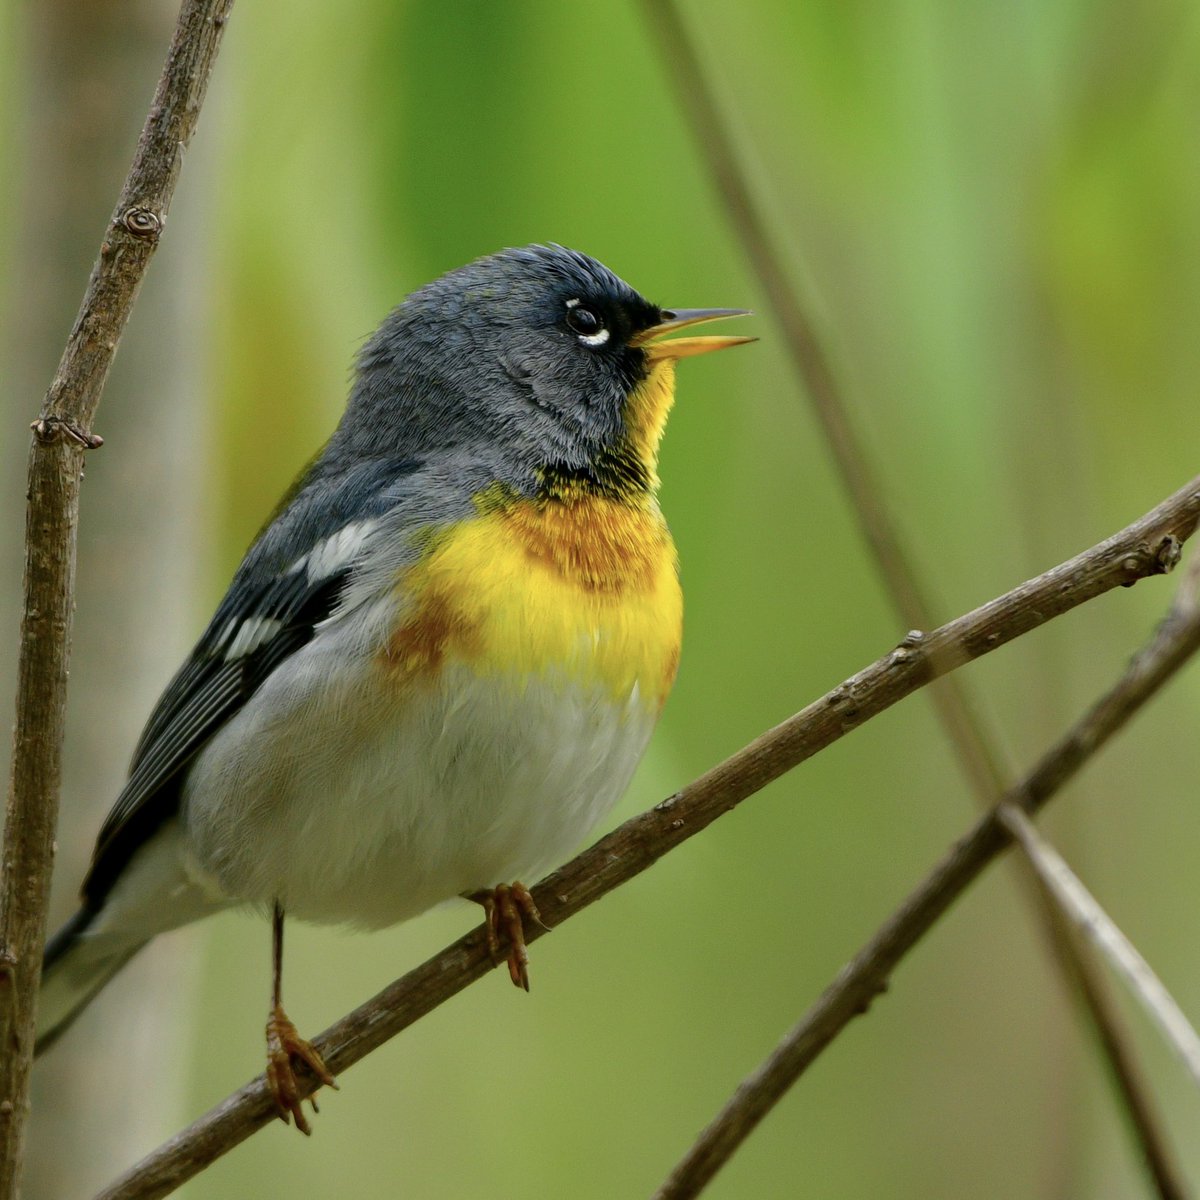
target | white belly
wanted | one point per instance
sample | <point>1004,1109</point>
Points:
<point>378,804</point>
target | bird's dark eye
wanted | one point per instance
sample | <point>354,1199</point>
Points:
<point>586,322</point>
<point>583,320</point>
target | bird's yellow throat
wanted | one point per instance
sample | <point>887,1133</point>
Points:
<point>646,412</point>
<point>579,583</point>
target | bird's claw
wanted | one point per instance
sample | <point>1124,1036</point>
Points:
<point>284,1044</point>
<point>506,908</point>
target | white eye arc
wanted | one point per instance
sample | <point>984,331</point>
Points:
<point>586,324</point>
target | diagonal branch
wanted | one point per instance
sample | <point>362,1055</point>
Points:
<point>1149,546</point>
<point>61,433</point>
<point>865,977</point>
<point>1093,923</point>
<point>1143,1116</point>
<point>973,742</point>
<point>1079,917</point>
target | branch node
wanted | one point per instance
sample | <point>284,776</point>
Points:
<point>1159,559</point>
<point>910,647</point>
<point>864,1005</point>
<point>142,222</point>
<point>50,429</point>
<point>1168,554</point>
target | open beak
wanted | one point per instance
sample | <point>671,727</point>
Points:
<point>681,318</point>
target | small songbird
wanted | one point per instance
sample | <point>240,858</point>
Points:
<point>441,660</point>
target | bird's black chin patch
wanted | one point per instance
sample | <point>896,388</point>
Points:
<point>615,473</point>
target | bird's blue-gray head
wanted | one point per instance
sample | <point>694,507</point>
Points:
<point>539,357</point>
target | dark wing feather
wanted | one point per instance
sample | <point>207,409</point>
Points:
<point>274,584</point>
<point>200,699</point>
<point>275,601</point>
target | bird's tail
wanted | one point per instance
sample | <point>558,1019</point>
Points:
<point>76,965</point>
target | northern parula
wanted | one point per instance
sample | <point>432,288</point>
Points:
<point>441,660</point>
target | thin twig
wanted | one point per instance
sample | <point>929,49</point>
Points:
<point>1149,546</point>
<point>1143,1118</point>
<point>1145,1121</point>
<point>973,743</point>
<point>1090,919</point>
<point>62,432</point>
<point>865,977</point>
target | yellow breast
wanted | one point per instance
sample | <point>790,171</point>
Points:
<point>586,588</point>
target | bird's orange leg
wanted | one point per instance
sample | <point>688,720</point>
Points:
<point>284,1044</point>
<point>506,908</point>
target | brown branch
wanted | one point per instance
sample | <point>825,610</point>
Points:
<point>866,975</point>
<point>62,432</point>
<point>1147,547</point>
<point>973,743</point>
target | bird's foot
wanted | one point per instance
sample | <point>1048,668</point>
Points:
<point>506,908</point>
<point>284,1044</point>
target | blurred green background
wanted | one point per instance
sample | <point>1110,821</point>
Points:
<point>993,209</point>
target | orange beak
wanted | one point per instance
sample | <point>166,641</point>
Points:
<point>681,318</point>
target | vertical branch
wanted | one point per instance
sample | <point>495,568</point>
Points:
<point>61,434</point>
<point>89,72</point>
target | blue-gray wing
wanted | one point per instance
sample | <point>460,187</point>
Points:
<point>291,580</point>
